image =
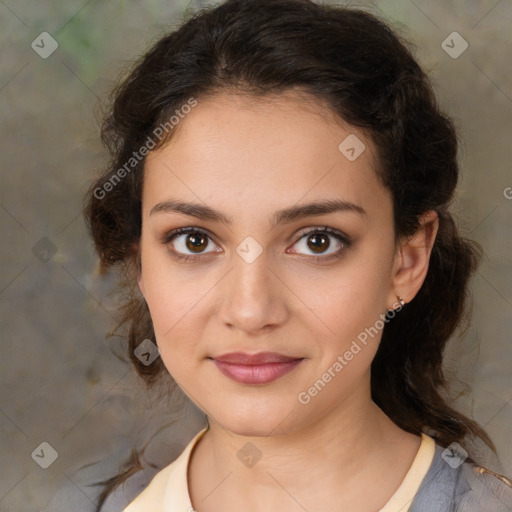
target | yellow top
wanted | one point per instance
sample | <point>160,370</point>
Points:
<point>168,491</point>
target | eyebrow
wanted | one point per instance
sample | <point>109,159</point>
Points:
<point>283,216</point>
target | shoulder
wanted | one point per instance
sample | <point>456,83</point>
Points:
<point>125,493</point>
<point>146,489</point>
<point>454,486</point>
<point>486,488</point>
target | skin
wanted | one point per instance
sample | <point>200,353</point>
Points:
<point>248,159</point>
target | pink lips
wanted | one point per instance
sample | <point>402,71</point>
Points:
<point>258,368</point>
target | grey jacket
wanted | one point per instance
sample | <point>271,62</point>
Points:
<point>466,488</point>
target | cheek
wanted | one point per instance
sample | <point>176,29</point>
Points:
<point>173,305</point>
<point>347,300</point>
<point>165,294</point>
<point>347,325</point>
<point>176,333</point>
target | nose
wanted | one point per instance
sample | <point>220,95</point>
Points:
<point>253,298</point>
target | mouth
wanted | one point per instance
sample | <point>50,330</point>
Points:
<point>260,368</point>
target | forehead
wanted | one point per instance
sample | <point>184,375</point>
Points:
<point>263,150</point>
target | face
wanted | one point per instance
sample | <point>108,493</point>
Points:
<point>258,272</point>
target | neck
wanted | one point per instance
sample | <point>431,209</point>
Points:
<point>353,442</point>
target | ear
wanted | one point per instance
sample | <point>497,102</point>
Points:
<point>412,259</point>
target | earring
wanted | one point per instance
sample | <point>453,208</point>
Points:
<point>402,301</point>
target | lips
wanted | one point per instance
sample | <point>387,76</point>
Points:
<point>250,359</point>
<point>260,368</point>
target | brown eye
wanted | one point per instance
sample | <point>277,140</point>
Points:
<point>196,242</point>
<point>319,240</point>
<point>187,242</point>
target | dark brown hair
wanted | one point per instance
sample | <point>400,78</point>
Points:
<point>356,64</point>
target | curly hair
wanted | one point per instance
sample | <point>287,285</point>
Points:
<point>366,73</point>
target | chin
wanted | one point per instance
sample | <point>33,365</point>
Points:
<point>258,421</point>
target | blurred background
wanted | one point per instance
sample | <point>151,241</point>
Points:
<point>70,409</point>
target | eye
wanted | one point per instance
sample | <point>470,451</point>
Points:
<point>190,239</point>
<point>191,243</point>
<point>318,240</point>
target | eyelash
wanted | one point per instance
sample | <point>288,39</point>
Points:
<point>343,239</point>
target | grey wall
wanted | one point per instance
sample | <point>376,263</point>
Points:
<point>61,383</point>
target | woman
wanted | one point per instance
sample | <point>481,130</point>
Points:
<point>278,197</point>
